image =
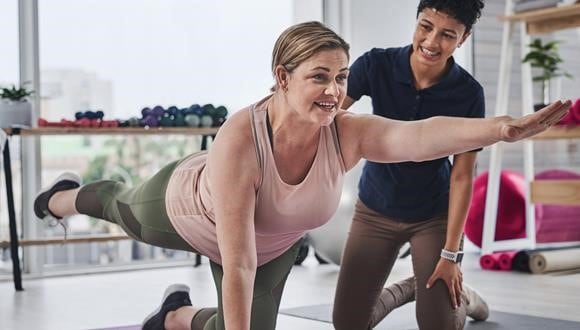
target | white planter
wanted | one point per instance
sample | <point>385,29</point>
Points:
<point>15,113</point>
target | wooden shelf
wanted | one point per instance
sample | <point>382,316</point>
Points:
<point>561,132</point>
<point>69,240</point>
<point>111,131</point>
<point>555,192</point>
<point>548,19</point>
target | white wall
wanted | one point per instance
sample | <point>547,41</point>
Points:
<point>376,23</point>
<point>385,23</point>
<point>307,10</point>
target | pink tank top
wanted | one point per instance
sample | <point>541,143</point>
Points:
<point>283,212</point>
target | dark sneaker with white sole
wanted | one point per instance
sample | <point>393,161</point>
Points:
<point>65,181</point>
<point>175,297</point>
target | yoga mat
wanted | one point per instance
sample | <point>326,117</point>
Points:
<point>506,260</point>
<point>552,261</point>
<point>521,260</point>
<point>403,318</point>
<point>489,261</point>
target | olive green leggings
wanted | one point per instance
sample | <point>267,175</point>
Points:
<point>141,212</point>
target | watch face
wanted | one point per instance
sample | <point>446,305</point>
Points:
<point>459,257</point>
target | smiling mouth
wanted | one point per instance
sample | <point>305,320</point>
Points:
<point>326,106</point>
<point>429,53</point>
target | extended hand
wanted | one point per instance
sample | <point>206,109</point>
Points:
<point>450,273</point>
<point>521,128</point>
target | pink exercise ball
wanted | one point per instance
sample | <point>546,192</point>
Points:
<point>511,213</point>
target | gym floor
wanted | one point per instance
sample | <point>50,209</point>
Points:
<point>124,298</point>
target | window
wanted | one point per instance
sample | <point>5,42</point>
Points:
<point>9,74</point>
<point>9,36</point>
<point>121,56</point>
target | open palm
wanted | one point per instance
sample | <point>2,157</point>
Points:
<point>520,128</point>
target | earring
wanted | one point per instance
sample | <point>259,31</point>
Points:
<point>459,46</point>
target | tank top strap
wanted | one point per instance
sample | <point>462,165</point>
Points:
<point>258,113</point>
<point>336,142</point>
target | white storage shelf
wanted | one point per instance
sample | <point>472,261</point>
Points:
<point>562,192</point>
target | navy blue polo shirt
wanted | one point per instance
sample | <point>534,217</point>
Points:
<point>410,191</point>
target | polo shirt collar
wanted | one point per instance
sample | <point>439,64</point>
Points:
<point>402,70</point>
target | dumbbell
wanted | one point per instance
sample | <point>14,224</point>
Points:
<point>90,114</point>
<point>192,120</point>
<point>221,111</point>
<point>150,121</point>
<point>206,121</point>
<point>219,115</point>
<point>134,122</point>
<point>110,123</point>
<point>172,110</point>
<point>157,111</point>
<point>83,122</point>
<point>166,120</point>
<point>208,109</point>
<point>195,109</point>
<point>45,123</point>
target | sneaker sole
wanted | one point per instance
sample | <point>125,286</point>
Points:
<point>170,289</point>
<point>69,176</point>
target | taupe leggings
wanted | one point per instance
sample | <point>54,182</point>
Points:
<point>141,212</point>
<point>371,250</point>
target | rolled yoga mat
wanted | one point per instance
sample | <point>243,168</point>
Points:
<point>506,260</point>
<point>521,260</point>
<point>489,261</point>
<point>552,261</point>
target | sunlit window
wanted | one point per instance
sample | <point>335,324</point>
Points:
<point>122,56</point>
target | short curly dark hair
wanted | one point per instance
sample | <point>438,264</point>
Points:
<point>465,11</point>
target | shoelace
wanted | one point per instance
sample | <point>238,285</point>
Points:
<point>59,222</point>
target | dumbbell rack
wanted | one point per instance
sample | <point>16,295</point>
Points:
<point>32,132</point>
<point>112,131</point>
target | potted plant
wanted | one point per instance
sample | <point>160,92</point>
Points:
<point>546,58</point>
<point>15,109</point>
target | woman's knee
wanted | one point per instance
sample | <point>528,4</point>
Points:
<point>343,320</point>
<point>437,318</point>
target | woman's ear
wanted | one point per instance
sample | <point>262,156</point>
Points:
<point>463,38</point>
<point>281,77</point>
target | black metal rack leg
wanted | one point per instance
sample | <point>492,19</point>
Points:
<point>16,271</point>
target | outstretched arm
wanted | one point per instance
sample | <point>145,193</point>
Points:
<point>233,174</point>
<point>384,140</point>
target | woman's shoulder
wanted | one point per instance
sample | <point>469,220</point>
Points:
<point>237,129</point>
<point>467,80</point>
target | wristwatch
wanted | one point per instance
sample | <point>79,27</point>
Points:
<point>456,257</point>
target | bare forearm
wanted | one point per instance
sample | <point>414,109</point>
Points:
<point>459,201</point>
<point>442,136</point>
<point>237,292</point>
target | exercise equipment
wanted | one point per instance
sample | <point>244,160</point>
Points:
<point>328,241</point>
<point>179,119</point>
<point>521,260</point>
<point>172,110</point>
<point>511,208</point>
<point>489,261</point>
<point>506,260</point>
<point>192,120</point>
<point>555,260</point>
<point>166,120</point>
<point>206,121</point>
